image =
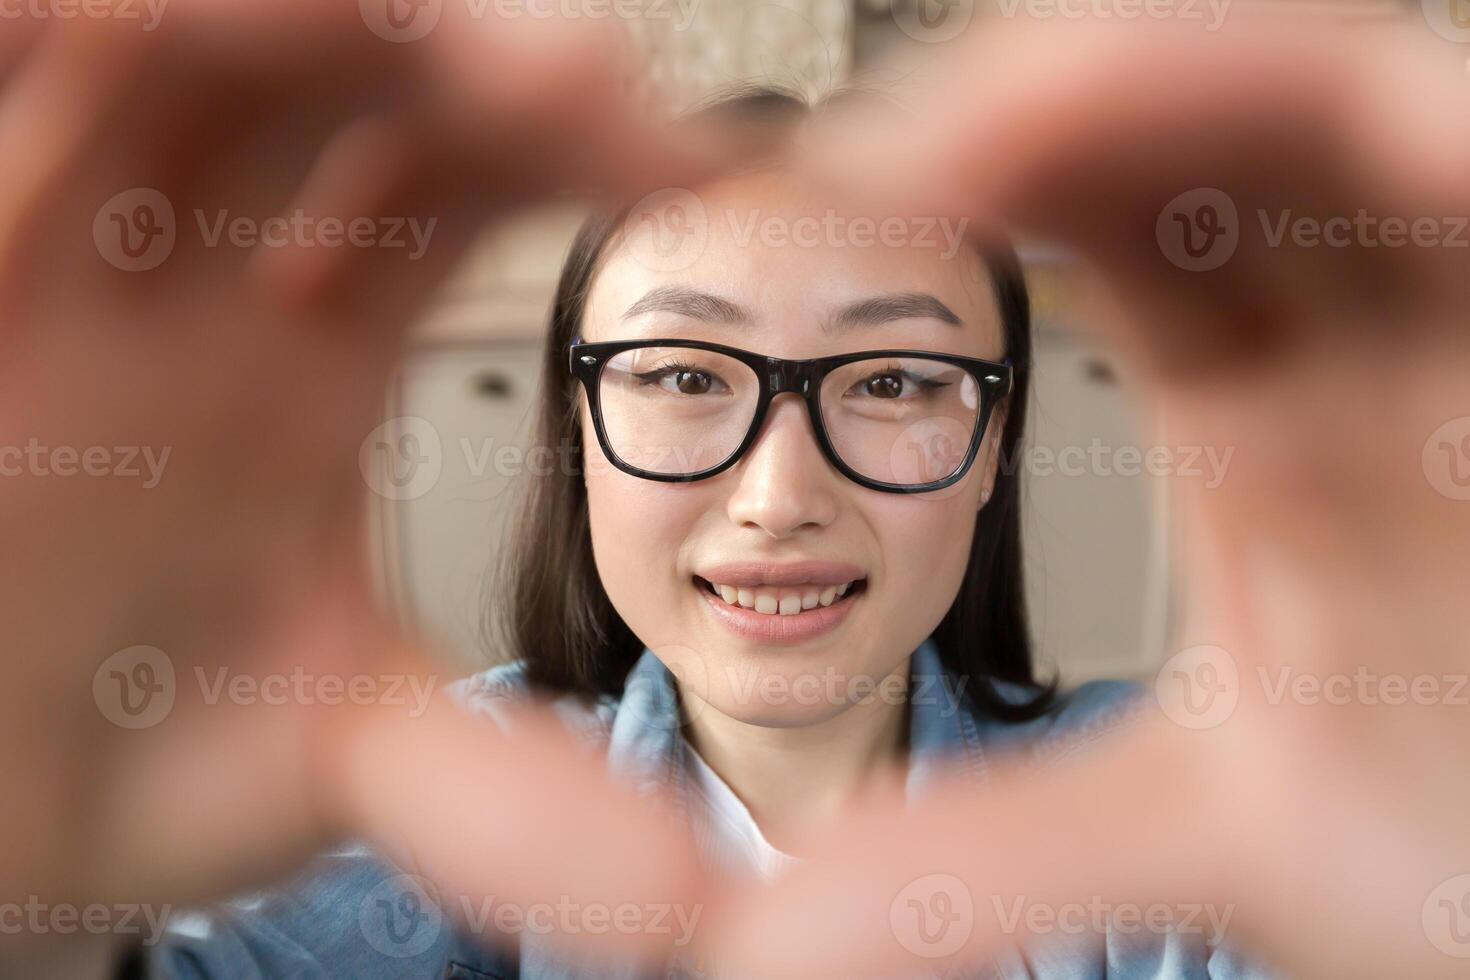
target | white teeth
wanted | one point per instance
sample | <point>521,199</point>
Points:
<point>773,600</point>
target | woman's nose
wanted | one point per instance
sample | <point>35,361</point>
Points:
<point>784,483</point>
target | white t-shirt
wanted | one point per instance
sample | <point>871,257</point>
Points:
<point>724,831</point>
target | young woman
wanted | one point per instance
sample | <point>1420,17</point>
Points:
<point>788,568</point>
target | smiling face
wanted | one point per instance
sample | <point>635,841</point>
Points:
<point>739,582</point>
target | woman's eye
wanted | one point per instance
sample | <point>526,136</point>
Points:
<point>692,382</point>
<point>884,386</point>
<point>683,381</point>
<point>894,384</point>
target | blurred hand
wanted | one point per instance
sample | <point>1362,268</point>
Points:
<point>1180,162</point>
<point>228,386</point>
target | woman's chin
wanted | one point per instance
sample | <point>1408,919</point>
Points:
<point>755,691</point>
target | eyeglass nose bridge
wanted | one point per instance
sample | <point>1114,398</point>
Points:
<point>783,376</point>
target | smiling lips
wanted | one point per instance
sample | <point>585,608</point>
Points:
<point>783,603</point>
<point>780,601</point>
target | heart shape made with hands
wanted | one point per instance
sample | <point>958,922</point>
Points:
<point>1336,373</point>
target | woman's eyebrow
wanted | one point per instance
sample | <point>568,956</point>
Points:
<point>896,306</point>
<point>692,303</point>
<point>699,305</point>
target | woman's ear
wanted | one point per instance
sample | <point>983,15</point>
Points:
<point>589,450</point>
<point>989,458</point>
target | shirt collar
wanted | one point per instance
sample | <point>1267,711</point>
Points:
<point>645,747</point>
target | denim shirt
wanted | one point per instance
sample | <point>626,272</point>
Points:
<point>355,916</point>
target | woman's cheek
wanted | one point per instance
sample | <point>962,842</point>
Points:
<point>925,545</point>
<point>638,530</point>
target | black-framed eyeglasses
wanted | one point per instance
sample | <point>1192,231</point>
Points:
<point>902,421</point>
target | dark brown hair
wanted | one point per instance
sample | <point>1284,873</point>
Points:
<point>549,607</point>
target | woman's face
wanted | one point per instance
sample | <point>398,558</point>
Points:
<point>660,546</point>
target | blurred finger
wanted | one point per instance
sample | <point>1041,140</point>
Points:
<point>1269,115</point>
<point>441,179</point>
<point>22,28</point>
<point>484,113</point>
<point>567,837</point>
<point>49,110</point>
<point>882,900</point>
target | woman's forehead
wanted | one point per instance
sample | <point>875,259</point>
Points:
<point>769,255</point>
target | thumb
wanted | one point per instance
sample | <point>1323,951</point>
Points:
<point>518,811</point>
